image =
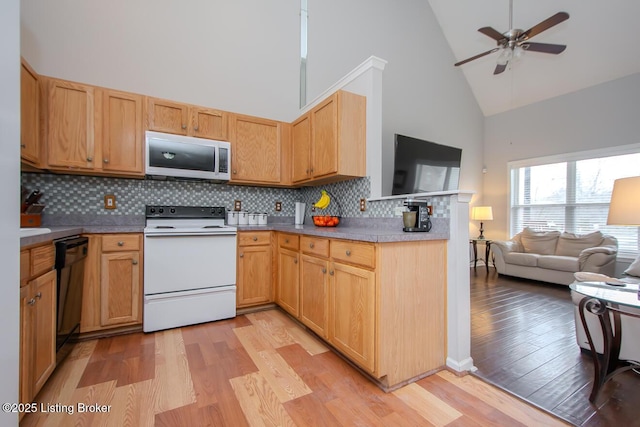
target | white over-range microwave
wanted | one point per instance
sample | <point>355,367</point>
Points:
<point>179,156</point>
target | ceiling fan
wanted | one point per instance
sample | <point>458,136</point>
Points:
<point>515,42</point>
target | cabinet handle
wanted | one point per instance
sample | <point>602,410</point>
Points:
<point>255,238</point>
<point>184,126</point>
<point>196,128</point>
<point>307,172</point>
<point>32,301</point>
<point>295,260</point>
<point>23,146</point>
<point>106,160</point>
<point>348,252</point>
<point>311,245</point>
<point>134,262</point>
<point>311,170</point>
<point>331,273</point>
<point>286,240</point>
<point>235,171</point>
<point>241,255</point>
<point>120,243</point>
<point>89,159</point>
<point>324,270</point>
<point>39,295</point>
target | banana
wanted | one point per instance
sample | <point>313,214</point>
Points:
<point>323,201</point>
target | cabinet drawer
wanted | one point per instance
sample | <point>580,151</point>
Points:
<point>254,238</point>
<point>120,242</point>
<point>315,246</point>
<point>353,252</point>
<point>289,241</point>
<point>42,259</point>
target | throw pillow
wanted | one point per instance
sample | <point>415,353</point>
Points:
<point>634,268</point>
<point>570,244</point>
<point>543,243</point>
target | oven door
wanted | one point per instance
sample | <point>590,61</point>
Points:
<point>183,262</point>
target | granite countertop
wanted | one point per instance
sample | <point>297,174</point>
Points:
<point>60,232</point>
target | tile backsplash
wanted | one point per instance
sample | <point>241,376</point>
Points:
<point>84,195</point>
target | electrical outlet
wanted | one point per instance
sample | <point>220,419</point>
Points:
<point>278,206</point>
<point>363,205</point>
<point>109,201</point>
<point>237,205</point>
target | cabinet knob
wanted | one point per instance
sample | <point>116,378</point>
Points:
<point>324,270</point>
<point>121,243</point>
<point>311,170</point>
<point>255,238</point>
<point>295,260</point>
<point>348,252</point>
<point>311,245</point>
<point>286,240</point>
<point>331,273</point>
<point>134,262</point>
<point>89,159</point>
<point>307,171</point>
<point>39,295</point>
<point>196,128</point>
<point>235,171</point>
<point>184,126</point>
<point>106,160</point>
<point>241,255</point>
<point>23,146</point>
<point>32,301</point>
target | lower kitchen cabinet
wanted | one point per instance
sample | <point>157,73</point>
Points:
<point>254,278</point>
<point>314,293</point>
<point>37,319</point>
<point>112,295</point>
<point>288,287</point>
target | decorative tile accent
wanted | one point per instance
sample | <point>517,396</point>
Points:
<point>84,195</point>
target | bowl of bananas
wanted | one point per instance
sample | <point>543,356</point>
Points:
<point>332,216</point>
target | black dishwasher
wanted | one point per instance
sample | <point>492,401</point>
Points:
<point>70,256</point>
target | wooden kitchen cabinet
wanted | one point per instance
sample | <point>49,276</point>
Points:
<point>29,116</point>
<point>184,119</point>
<point>112,294</point>
<point>38,302</point>
<point>329,142</point>
<point>288,284</point>
<point>122,133</point>
<point>70,126</point>
<point>254,281</point>
<point>314,283</point>
<point>256,150</point>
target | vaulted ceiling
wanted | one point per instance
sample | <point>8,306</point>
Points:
<point>601,38</point>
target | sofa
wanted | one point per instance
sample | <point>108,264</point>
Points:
<point>551,256</point>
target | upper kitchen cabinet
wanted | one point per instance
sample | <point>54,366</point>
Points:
<point>329,142</point>
<point>183,119</point>
<point>29,116</point>
<point>258,150</point>
<point>70,126</point>
<point>122,133</point>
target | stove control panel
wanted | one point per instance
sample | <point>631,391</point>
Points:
<point>154,211</point>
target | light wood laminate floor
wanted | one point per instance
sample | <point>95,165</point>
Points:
<point>259,369</point>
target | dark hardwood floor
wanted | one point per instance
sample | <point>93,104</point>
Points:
<point>523,340</point>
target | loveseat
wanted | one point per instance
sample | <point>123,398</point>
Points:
<point>551,256</point>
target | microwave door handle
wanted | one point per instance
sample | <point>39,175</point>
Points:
<point>216,160</point>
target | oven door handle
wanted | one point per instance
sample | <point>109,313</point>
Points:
<point>180,234</point>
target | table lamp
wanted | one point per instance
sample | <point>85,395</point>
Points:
<point>624,208</point>
<point>481,213</point>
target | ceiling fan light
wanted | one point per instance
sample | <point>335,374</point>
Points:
<point>518,52</point>
<point>505,56</point>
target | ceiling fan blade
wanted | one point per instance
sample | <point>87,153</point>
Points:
<point>480,55</point>
<point>493,33</point>
<point>544,25</point>
<point>544,47</point>
<point>499,69</point>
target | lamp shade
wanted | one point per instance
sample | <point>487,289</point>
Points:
<point>481,213</point>
<point>624,208</point>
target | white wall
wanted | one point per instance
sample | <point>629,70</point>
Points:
<point>598,117</point>
<point>240,56</point>
<point>423,94</point>
<point>9,209</point>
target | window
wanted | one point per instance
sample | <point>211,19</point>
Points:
<point>571,193</point>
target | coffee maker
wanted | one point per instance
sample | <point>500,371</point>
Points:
<point>418,221</point>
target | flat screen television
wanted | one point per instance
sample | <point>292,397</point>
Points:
<point>422,166</point>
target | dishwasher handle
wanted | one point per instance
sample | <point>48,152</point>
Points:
<point>69,251</point>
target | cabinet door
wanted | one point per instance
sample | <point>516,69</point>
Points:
<point>255,150</point>
<point>254,285</point>
<point>27,318</point>
<point>44,332</point>
<point>120,288</point>
<point>70,125</point>
<point>314,293</point>
<point>324,138</point>
<point>167,116</point>
<point>288,281</point>
<point>301,149</point>
<point>29,115</point>
<point>352,313</point>
<point>122,134</point>
<point>207,123</point>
